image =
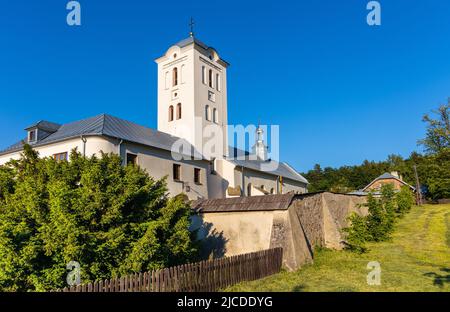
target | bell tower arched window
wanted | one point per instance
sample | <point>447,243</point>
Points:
<point>179,111</point>
<point>218,82</point>
<point>175,76</point>
<point>207,113</point>
<point>203,74</point>
<point>210,78</point>
<point>215,115</point>
<point>170,113</point>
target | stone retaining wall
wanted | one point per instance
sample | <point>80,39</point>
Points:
<point>310,221</point>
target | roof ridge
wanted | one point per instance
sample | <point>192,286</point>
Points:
<point>102,131</point>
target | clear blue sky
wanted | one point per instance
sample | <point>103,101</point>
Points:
<point>340,90</point>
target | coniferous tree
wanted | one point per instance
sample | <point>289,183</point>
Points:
<point>112,219</point>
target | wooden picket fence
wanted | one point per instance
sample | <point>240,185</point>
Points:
<point>210,275</point>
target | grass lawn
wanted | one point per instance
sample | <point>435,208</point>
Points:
<point>416,259</point>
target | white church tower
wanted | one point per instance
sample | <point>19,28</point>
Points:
<point>192,93</point>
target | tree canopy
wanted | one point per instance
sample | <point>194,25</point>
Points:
<point>433,167</point>
<point>112,219</point>
<point>438,130</point>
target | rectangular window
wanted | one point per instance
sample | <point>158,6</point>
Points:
<point>60,156</point>
<point>197,173</point>
<point>131,159</point>
<point>211,96</point>
<point>32,136</point>
<point>176,172</point>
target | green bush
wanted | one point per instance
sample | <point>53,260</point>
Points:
<point>356,233</point>
<point>112,219</point>
<point>379,224</point>
<point>405,200</point>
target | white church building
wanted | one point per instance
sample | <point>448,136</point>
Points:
<point>190,146</point>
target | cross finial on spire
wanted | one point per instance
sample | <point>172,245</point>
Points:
<point>191,25</point>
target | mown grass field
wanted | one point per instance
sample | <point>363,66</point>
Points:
<point>416,259</point>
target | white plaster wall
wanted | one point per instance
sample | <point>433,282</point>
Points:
<point>269,181</point>
<point>201,58</point>
<point>94,145</point>
<point>159,163</point>
<point>192,93</point>
<point>244,231</point>
<point>184,127</point>
<point>223,179</point>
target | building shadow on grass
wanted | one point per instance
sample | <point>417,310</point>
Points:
<point>440,279</point>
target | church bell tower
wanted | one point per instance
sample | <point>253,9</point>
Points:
<point>192,95</point>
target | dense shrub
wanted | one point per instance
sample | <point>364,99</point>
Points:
<point>357,233</point>
<point>112,219</point>
<point>379,224</point>
<point>405,200</point>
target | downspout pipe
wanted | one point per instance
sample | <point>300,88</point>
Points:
<point>243,182</point>
<point>84,140</point>
<point>119,150</point>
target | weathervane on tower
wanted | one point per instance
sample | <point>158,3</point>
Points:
<point>191,25</point>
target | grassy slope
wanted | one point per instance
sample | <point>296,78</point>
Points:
<point>416,259</point>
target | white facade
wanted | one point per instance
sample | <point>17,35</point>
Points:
<point>193,77</point>
<point>157,162</point>
<point>231,180</point>
<point>192,104</point>
<point>93,146</point>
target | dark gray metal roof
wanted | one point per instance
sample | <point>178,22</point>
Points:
<point>282,169</point>
<point>189,40</point>
<point>45,125</point>
<point>387,175</point>
<point>107,125</point>
<point>242,158</point>
<point>110,126</point>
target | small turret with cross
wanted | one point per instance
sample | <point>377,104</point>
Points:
<point>191,25</point>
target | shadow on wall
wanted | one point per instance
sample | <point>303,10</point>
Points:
<point>212,242</point>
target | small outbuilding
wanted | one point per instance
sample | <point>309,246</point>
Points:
<point>375,186</point>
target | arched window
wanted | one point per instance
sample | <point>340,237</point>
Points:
<point>167,80</point>
<point>203,74</point>
<point>272,191</point>
<point>183,74</point>
<point>170,113</point>
<point>210,78</point>
<point>249,189</point>
<point>207,113</point>
<point>215,115</point>
<point>175,76</point>
<point>179,111</point>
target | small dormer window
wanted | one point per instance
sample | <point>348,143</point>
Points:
<point>32,135</point>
